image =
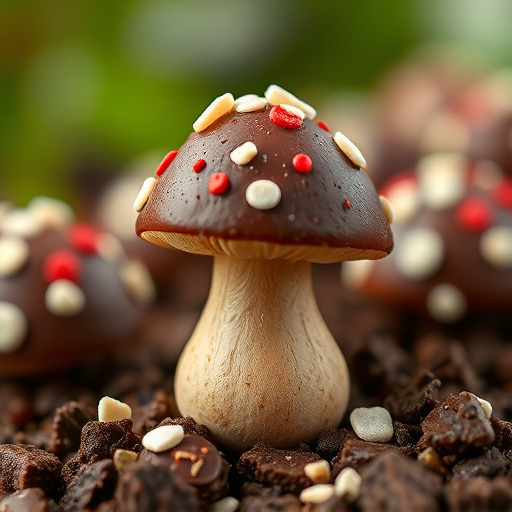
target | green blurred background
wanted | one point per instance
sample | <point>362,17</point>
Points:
<point>88,87</point>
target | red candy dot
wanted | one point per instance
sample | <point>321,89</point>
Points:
<point>164,164</point>
<point>61,264</point>
<point>302,163</point>
<point>218,183</point>
<point>85,238</point>
<point>322,125</point>
<point>284,119</point>
<point>473,214</point>
<point>503,193</point>
<point>347,204</point>
<point>199,165</point>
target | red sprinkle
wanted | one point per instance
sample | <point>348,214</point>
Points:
<point>503,193</point>
<point>322,125</point>
<point>84,237</point>
<point>199,165</point>
<point>218,183</point>
<point>302,163</point>
<point>284,119</point>
<point>164,164</point>
<point>346,204</point>
<point>61,264</point>
<point>473,214</point>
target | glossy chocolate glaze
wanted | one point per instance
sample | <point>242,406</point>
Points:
<point>335,204</point>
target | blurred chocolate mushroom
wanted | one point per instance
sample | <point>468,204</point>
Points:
<point>267,191</point>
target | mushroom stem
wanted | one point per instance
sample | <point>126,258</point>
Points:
<point>261,365</point>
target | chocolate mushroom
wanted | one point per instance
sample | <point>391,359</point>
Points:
<point>68,291</point>
<point>267,191</point>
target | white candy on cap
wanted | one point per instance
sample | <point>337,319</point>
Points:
<point>218,107</point>
<point>13,328</point>
<point>243,154</point>
<point>251,104</point>
<point>50,212</point>
<point>276,95</point>
<point>163,438</point>
<point>350,149</point>
<point>496,246</point>
<point>110,409</point>
<point>144,193</point>
<point>64,298</point>
<point>263,194</point>
<point>14,252</point>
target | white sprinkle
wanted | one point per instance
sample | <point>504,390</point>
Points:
<point>13,328</point>
<point>277,95</point>
<point>372,424</point>
<point>446,303</point>
<point>441,179</point>
<point>244,98</point>
<point>296,111</point>
<point>496,246</point>
<point>227,504</point>
<point>110,409</point>
<point>144,193</point>
<point>14,253</point>
<point>218,107</point>
<point>244,154</point>
<point>263,194</point>
<point>251,105</point>
<point>50,212</point>
<point>348,484</point>
<point>420,254</point>
<point>486,406</point>
<point>319,472</point>
<point>318,493</point>
<point>163,438</point>
<point>350,150</point>
<point>291,217</point>
<point>387,209</point>
<point>137,280</point>
<point>64,298</point>
<point>21,222</point>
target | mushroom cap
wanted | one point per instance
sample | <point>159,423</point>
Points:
<point>321,207</point>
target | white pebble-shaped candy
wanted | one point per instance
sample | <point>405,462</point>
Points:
<point>295,111</point>
<point>163,438</point>
<point>387,209</point>
<point>251,104</point>
<point>372,424</point>
<point>21,222</point>
<point>50,212</point>
<point>319,472</point>
<point>64,298</point>
<point>276,95</point>
<point>348,484</point>
<point>420,254</point>
<point>13,328</point>
<point>244,154</point>
<point>144,193</point>
<point>446,303</point>
<point>319,493</point>
<point>110,409</point>
<point>137,280</point>
<point>218,107</point>
<point>486,406</point>
<point>227,504</point>
<point>14,254</point>
<point>350,150</point>
<point>496,246</point>
<point>263,194</point>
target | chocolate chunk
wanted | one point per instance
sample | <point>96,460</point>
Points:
<point>100,439</point>
<point>67,426</point>
<point>503,435</point>
<point>395,482</point>
<point>456,425</point>
<point>479,494</point>
<point>152,487</point>
<point>24,466</point>
<point>412,403</point>
<point>94,484</point>
<point>148,416</point>
<point>406,436</point>
<point>273,466</point>
<point>490,463</point>
<point>198,463</point>
<point>285,503</point>
<point>330,442</point>
<point>191,427</point>
<point>28,500</point>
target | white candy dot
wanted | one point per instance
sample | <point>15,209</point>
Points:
<point>318,493</point>
<point>251,104</point>
<point>227,504</point>
<point>244,154</point>
<point>14,253</point>
<point>244,98</point>
<point>419,254</point>
<point>217,108</point>
<point>13,328</point>
<point>293,110</point>
<point>486,406</point>
<point>276,95</point>
<point>387,209</point>
<point>263,194</point>
<point>110,409</point>
<point>496,246</point>
<point>50,212</point>
<point>372,424</point>
<point>446,303</point>
<point>350,150</point>
<point>348,484</point>
<point>135,276</point>
<point>64,298</point>
<point>144,193</point>
<point>163,438</point>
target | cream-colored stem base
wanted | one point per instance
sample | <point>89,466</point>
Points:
<point>261,365</point>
